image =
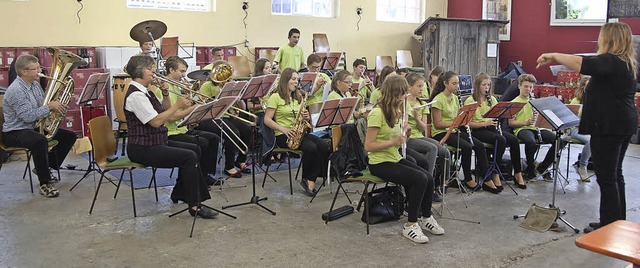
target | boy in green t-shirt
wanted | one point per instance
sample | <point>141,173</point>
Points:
<point>524,128</point>
<point>290,55</point>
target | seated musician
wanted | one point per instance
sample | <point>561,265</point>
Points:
<point>22,107</point>
<point>358,76</point>
<point>241,129</point>
<point>283,107</point>
<point>428,152</point>
<point>523,125</point>
<point>262,67</point>
<point>383,140</point>
<point>431,82</point>
<point>375,94</point>
<point>581,165</point>
<point>146,49</point>
<point>148,141</point>
<point>444,112</point>
<point>216,55</point>
<point>484,129</point>
<point>341,88</point>
<point>317,91</point>
<point>168,95</point>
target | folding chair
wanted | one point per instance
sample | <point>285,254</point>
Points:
<point>267,54</point>
<point>320,43</point>
<point>169,47</point>
<point>27,168</point>
<point>104,145</point>
<point>382,61</point>
<point>120,87</point>
<point>241,67</point>
<point>405,60</point>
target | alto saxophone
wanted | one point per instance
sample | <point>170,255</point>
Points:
<point>300,125</point>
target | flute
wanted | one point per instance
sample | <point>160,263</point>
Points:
<point>467,125</point>
<point>403,124</point>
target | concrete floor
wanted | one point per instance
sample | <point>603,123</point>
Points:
<point>41,232</point>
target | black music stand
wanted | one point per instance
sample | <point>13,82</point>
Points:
<point>92,90</point>
<point>334,113</point>
<point>329,61</point>
<point>560,118</point>
<point>307,81</point>
<point>465,114</point>
<point>502,110</point>
<point>208,111</point>
<point>256,89</point>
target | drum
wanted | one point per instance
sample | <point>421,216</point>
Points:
<point>120,86</point>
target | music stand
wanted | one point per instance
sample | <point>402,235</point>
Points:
<point>307,81</point>
<point>208,111</point>
<point>463,118</point>
<point>334,113</point>
<point>92,90</point>
<point>560,118</point>
<point>254,91</point>
<point>329,61</point>
<point>499,112</point>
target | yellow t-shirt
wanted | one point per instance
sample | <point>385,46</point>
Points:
<point>289,57</point>
<point>284,113</point>
<point>426,91</point>
<point>524,115</point>
<point>385,133</point>
<point>334,95</point>
<point>364,91</point>
<point>209,89</point>
<point>172,126</point>
<point>449,111</point>
<point>416,132</point>
<point>576,101</point>
<point>317,96</point>
<point>483,108</point>
<point>375,96</point>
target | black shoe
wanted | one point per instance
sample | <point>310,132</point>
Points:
<point>547,177</point>
<point>521,186</point>
<point>436,197</point>
<point>237,174</point>
<point>588,229</point>
<point>211,181</point>
<point>500,187</point>
<point>175,200</point>
<point>204,212</point>
<point>489,189</point>
<point>594,225</point>
<point>305,187</point>
<point>245,169</point>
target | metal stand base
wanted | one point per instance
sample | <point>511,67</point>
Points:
<point>196,216</point>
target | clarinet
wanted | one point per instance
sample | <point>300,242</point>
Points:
<point>495,119</point>
<point>466,126</point>
<point>535,118</point>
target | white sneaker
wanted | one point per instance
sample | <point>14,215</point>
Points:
<point>584,176</point>
<point>430,224</point>
<point>48,190</point>
<point>414,233</point>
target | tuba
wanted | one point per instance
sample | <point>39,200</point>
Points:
<point>299,126</point>
<point>59,88</point>
<point>221,73</point>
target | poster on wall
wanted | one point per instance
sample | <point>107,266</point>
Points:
<point>498,10</point>
<point>183,5</point>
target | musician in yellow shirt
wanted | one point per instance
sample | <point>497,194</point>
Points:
<point>290,55</point>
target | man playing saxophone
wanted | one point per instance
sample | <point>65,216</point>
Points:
<point>23,107</point>
<point>283,107</point>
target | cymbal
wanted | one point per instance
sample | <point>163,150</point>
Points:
<point>141,30</point>
<point>201,75</point>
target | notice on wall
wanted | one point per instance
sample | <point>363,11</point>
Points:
<point>624,9</point>
<point>183,5</point>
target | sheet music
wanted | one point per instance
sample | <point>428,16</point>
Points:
<point>554,118</point>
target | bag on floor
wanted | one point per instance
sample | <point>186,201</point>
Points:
<point>385,204</point>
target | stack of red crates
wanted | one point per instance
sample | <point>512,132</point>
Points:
<point>565,94</point>
<point>568,78</point>
<point>546,90</point>
<point>204,58</point>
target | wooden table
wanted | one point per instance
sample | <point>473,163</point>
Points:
<point>620,240</point>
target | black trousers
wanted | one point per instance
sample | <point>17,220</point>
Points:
<point>182,155</point>
<point>461,139</point>
<point>38,145</point>
<point>608,153</point>
<point>208,144</point>
<point>418,184</point>
<point>488,135</point>
<point>315,155</point>
<point>529,138</point>
<point>241,129</point>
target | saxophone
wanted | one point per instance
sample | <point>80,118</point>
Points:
<point>299,126</point>
<point>59,88</point>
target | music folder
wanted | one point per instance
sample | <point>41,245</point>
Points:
<point>208,111</point>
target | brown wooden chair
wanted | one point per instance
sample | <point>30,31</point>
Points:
<point>267,54</point>
<point>120,87</point>
<point>382,61</point>
<point>104,145</point>
<point>27,168</point>
<point>405,60</point>
<point>241,67</point>
<point>320,43</point>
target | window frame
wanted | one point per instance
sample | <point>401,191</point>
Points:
<point>421,12</point>
<point>334,10</point>
<point>574,22</point>
<point>212,7</point>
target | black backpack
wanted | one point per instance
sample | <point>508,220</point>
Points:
<point>349,159</point>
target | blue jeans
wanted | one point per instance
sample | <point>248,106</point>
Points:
<point>586,149</point>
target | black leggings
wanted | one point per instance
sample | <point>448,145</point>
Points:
<point>241,129</point>
<point>208,144</point>
<point>488,135</point>
<point>466,148</point>
<point>608,153</point>
<point>315,155</point>
<point>418,185</point>
<point>529,138</point>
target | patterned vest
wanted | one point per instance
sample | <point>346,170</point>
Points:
<point>145,134</point>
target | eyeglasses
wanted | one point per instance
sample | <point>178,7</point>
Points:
<point>34,69</point>
<point>347,82</point>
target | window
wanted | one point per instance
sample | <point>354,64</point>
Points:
<point>578,12</point>
<point>399,10</point>
<point>312,8</point>
<point>183,5</point>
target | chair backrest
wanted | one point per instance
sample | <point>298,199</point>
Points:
<point>314,108</point>
<point>120,87</point>
<point>382,61</point>
<point>404,59</point>
<point>241,67</point>
<point>320,43</point>
<point>267,54</point>
<point>104,142</point>
<point>336,136</point>
<point>169,47</point>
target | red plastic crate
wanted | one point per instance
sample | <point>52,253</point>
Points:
<point>568,78</point>
<point>203,54</point>
<point>541,91</point>
<point>25,51</point>
<point>95,112</point>
<point>9,56</point>
<point>72,121</point>
<point>4,78</point>
<point>229,51</point>
<point>80,76</point>
<point>2,65</point>
<point>565,93</point>
<point>45,57</point>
